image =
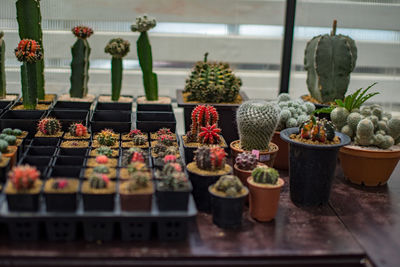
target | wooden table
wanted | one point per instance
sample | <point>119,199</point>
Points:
<point>360,228</point>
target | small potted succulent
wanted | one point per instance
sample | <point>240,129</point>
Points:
<point>9,151</point>
<point>102,169</point>
<point>4,168</point>
<point>134,154</point>
<point>77,131</point>
<point>139,140</point>
<point>136,193</point>
<point>244,164</point>
<point>61,194</point>
<point>137,165</point>
<point>227,201</point>
<point>172,192</point>
<point>165,139</point>
<point>23,188</point>
<point>292,114</point>
<point>106,137</point>
<point>104,150</point>
<point>265,187</point>
<point>98,193</point>
<point>102,160</point>
<point>159,151</point>
<point>160,162</point>
<point>257,121</point>
<point>162,131</point>
<point>49,128</point>
<point>132,133</point>
<point>213,83</point>
<point>209,164</point>
<point>316,141</point>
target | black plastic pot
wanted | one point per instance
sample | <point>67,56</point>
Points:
<point>43,141</point>
<point>136,229</point>
<point>154,107</point>
<point>26,231</point>
<point>227,211</point>
<point>67,117</point>
<point>60,202</point>
<point>151,121</point>
<point>37,160</point>
<point>172,200</point>
<point>98,202</point>
<point>64,172</point>
<point>23,202</point>
<point>119,121</point>
<point>227,115</point>
<point>114,106</point>
<point>65,105</point>
<point>311,169</point>
<point>81,152</point>
<point>69,161</point>
<point>25,120</point>
<point>40,151</point>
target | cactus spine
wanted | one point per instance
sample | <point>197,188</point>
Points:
<point>80,62</point>
<point>257,121</point>
<point>117,48</point>
<point>329,60</point>
<point>2,68</point>
<point>29,27</point>
<point>142,25</point>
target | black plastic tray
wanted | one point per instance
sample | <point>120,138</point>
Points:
<point>67,117</point>
<point>150,121</point>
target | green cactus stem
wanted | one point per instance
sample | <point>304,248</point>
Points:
<point>329,60</point>
<point>150,83</point>
<point>29,27</point>
<point>2,68</point>
<point>80,62</point>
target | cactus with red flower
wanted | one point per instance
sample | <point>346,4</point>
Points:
<point>77,130</point>
<point>209,135</point>
<point>167,140</point>
<point>60,184</point>
<point>49,126</point>
<point>102,159</point>
<point>134,132</point>
<point>164,131</point>
<point>23,177</point>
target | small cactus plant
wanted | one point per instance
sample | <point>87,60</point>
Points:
<point>104,150</point>
<point>209,135</point>
<point>11,140</point>
<point>210,158</point>
<point>77,130</point>
<point>60,184</point>
<point>265,175</point>
<point>3,87</point>
<point>162,150</point>
<point>167,140</point>
<point>117,48</point>
<point>329,60</point>
<point>107,137</point>
<point>246,161</point>
<point>257,121</point>
<point>164,131</point>
<point>101,169</point>
<point>139,140</point>
<point>317,130</point>
<point>202,115</point>
<point>169,159</point>
<point>138,181</point>
<point>133,154</point>
<point>23,177</point>
<point>177,181</point>
<point>230,185</point>
<point>137,166</point>
<point>102,159</point>
<point>150,83</point>
<point>99,181</point>
<point>212,82</point>
<point>80,62</point>
<point>134,132</point>
<point>3,146</point>
<point>49,126</point>
<point>171,168</point>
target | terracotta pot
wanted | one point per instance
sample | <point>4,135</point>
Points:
<point>368,167</point>
<point>266,157</point>
<point>264,199</point>
<point>282,158</point>
<point>12,154</point>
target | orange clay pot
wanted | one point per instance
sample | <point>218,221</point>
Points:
<point>266,157</point>
<point>12,154</point>
<point>282,158</point>
<point>366,166</point>
<point>264,199</point>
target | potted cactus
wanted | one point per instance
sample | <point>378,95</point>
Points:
<point>375,150</point>
<point>220,88</point>
<point>244,164</point>
<point>265,188</point>
<point>162,131</point>
<point>104,150</point>
<point>136,193</point>
<point>227,200</point>
<point>203,131</point>
<point>9,151</point>
<point>139,140</point>
<point>101,169</point>
<point>316,141</point>
<point>98,193</point>
<point>118,48</point>
<point>106,137</point>
<point>257,121</point>
<point>77,131</point>
<point>61,194</point>
<point>49,128</point>
<point>23,188</point>
<point>209,164</point>
<point>102,160</point>
<point>132,133</point>
<point>172,192</point>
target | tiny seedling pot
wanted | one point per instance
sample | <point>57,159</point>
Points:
<point>98,202</point>
<point>40,151</point>
<point>25,120</point>
<point>43,141</point>
<point>69,105</point>
<point>227,211</point>
<point>69,161</point>
<point>150,121</point>
<point>119,121</point>
<point>67,117</point>
<point>172,200</point>
<point>81,151</point>
<point>62,202</point>
<point>65,172</point>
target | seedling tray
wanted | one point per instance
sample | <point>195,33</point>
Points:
<point>62,226</point>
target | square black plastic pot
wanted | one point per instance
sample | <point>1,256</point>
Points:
<point>40,151</point>
<point>23,202</point>
<point>64,172</point>
<point>80,152</point>
<point>114,106</point>
<point>227,116</point>
<point>37,160</point>
<point>60,202</point>
<point>69,105</point>
<point>172,200</point>
<point>25,120</point>
<point>68,161</point>
<point>67,117</point>
<point>98,202</point>
<point>200,190</point>
<point>150,121</point>
<point>42,141</point>
<point>119,121</point>
<point>154,107</point>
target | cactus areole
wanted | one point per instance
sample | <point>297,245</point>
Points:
<point>329,60</point>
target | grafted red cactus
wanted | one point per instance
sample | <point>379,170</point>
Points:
<point>203,115</point>
<point>77,130</point>
<point>60,183</point>
<point>210,158</point>
<point>164,131</point>
<point>137,157</point>
<point>165,139</point>
<point>23,177</point>
<point>49,126</point>
<point>317,130</point>
<point>28,51</point>
<point>170,158</point>
<point>102,159</point>
<point>209,135</point>
<point>82,32</point>
<point>135,132</point>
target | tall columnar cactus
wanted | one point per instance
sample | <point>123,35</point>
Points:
<point>210,158</point>
<point>150,83</point>
<point>265,175</point>
<point>80,62</point>
<point>212,82</point>
<point>257,121</point>
<point>202,115</point>
<point>329,60</point>
<point>29,52</point>
<point>30,27</point>
<point>117,48</point>
<point>2,68</point>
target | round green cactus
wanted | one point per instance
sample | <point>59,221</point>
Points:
<point>16,132</point>
<point>265,175</point>
<point>347,130</point>
<point>7,131</point>
<point>365,132</point>
<point>353,119</point>
<point>10,139</point>
<point>3,146</point>
<point>101,169</point>
<point>394,127</point>
<point>339,116</point>
<point>230,185</point>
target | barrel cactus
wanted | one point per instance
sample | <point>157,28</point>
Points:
<point>265,175</point>
<point>210,158</point>
<point>246,161</point>
<point>107,137</point>
<point>257,121</point>
<point>329,60</point>
<point>97,181</point>
<point>3,146</point>
<point>101,169</point>
<point>139,140</point>
<point>49,126</point>
<point>202,115</point>
<point>230,185</point>
<point>212,82</point>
